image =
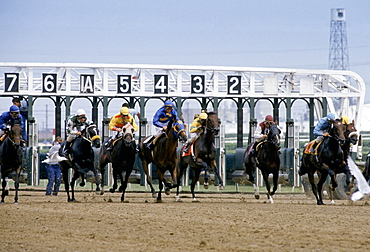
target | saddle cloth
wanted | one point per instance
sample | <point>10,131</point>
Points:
<point>189,152</point>
<point>307,149</point>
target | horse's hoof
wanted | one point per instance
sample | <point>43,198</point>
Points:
<point>195,200</point>
<point>221,187</point>
<point>177,198</point>
<point>167,192</point>
<point>111,190</point>
<point>154,195</point>
<point>102,192</point>
<point>82,184</point>
<point>15,203</point>
<point>271,200</point>
<point>125,201</point>
<point>257,196</point>
<point>206,185</point>
<point>2,203</point>
<point>159,201</point>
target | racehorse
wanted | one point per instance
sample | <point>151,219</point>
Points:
<point>11,158</point>
<point>164,156</point>
<point>328,161</point>
<point>203,156</point>
<point>351,138</point>
<point>81,159</point>
<point>267,160</point>
<point>122,157</point>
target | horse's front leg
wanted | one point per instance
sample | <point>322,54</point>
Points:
<point>265,176</point>
<point>102,172</point>
<point>75,176</point>
<point>120,189</point>
<point>16,184</point>
<point>161,182</point>
<point>321,182</point>
<point>115,183</point>
<point>204,166</point>
<point>148,178</point>
<point>4,191</point>
<point>124,184</point>
<point>220,181</point>
<point>97,181</point>
<point>194,181</point>
<point>275,178</point>
<point>66,183</point>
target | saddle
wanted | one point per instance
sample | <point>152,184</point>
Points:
<point>307,148</point>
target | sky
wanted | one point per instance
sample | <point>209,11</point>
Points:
<point>246,33</point>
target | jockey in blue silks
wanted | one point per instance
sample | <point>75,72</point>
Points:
<point>322,128</point>
<point>10,117</point>
<point>161,119</point>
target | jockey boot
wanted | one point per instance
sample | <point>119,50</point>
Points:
<point>147,142</point>
<point>313,147</point>
<point>109,145</point>
<point>136,147</point>
<point>252,153</point>
<point>67,149</point>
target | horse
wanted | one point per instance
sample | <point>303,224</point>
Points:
<point>328,161</point>
<point>164,156</point>
<point>122,157</point>
<point>267,160</point>
<point>11,158</point>
<point>203,156</point>
<point>81,159</point>
<point>351,138</point>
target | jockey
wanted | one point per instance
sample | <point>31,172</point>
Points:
<point>261,133</point>
<point>76,123</point>
<point>117,122</point>
<point>22,104</point>
<point>9,117</point>
<point>344,120</point>
<point>196,128</point>
<point>321,129</point>
<point>161,120</point>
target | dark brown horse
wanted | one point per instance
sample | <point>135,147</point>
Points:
<point>267,160</point>
<point>351,138</point>
<point>328,161</point>
<point>122,157</point>
<point>164,156</point>
<point>81,159</point>
<point>11,159</point>
<point>203,157</point>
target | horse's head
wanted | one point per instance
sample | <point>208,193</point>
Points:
<point>337,131</point>
<point>179,131</point>
<point>274,134</point>
<point>350,132</point>
<point>92,134</point>
<point>213,123</point>
<point>128,133</point>
<point>15,133</point>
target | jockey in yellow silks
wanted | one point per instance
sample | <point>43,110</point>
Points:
<point>117,122</point>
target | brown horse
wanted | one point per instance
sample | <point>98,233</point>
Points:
<point>122,157</point>
<point>11,159</point>
<point>328,161</point>
<point>267,160</point>
<point>164,156</point>
<point>203,157</point>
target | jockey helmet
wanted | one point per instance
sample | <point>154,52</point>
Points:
<point>203,116</point>
<point>169,103</point>
<point>344,120</point>
<point>80,112</point>
<point>269,118</point>
<point>124,111</point>
<point>14,108</point>
<point>331,116</point>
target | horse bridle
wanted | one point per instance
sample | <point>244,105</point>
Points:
<point>87,136</point>
<point>351,134</point>
<point>211,127</point>
<point>272,136</point>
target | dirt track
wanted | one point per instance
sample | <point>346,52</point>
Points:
<point>219,222</point>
